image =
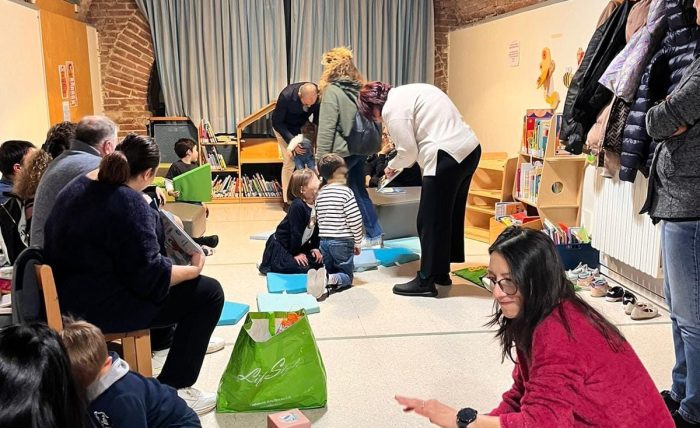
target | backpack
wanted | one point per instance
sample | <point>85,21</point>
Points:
<point>365,136</point>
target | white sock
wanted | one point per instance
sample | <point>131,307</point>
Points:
<point>333,279</point>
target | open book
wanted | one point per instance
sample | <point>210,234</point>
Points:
<point>384,182</point>
<point>178,244</point>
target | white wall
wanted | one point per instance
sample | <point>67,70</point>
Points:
<point>493,96</point>
<point>24,111</point>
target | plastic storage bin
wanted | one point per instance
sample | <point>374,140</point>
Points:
<point>573,254</point>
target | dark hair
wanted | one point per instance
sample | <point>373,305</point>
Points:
<point>372,95</point>
<point>37,388</point>
<point>182,146</point>
<point>58,138</point>
<point>537,270</point>
<point>93,130</point>
<point>134,155</point>
<point>328,165</point>
<point>11,153</point>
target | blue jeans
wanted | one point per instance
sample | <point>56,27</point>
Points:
<point>306,160</point>
<point>680,243</point>
<point>356,182</point>
<point>338,258</point>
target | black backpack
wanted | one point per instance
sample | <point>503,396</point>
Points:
<point>365,136</point>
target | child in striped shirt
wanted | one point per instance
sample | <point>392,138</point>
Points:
<point>339,222</point>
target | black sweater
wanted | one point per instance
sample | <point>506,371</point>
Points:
<point>289,115</point>
<point>291,229</point>
<point>104,245</point>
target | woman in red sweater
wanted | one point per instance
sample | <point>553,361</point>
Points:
<point>573,368</point>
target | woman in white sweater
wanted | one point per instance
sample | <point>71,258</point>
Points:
<point>427,128</point>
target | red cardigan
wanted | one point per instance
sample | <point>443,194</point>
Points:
<point>579,381</point>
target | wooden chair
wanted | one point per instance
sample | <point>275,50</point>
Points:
<point>136,345</point>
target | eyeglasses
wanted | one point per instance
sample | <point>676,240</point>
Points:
<point>505,284</point>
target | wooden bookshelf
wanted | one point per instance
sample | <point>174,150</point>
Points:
<point>559,196</point>
<point>250,153</point>
<point>492,182</point>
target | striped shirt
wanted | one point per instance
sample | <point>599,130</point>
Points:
<point>337,213</point>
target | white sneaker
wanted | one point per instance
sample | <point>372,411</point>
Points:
<point>200,402</point>
<point>158,361</point>
<point>373,242</point>
<point>316,282</point>
<point>216,344</point>
<point>573,274</point>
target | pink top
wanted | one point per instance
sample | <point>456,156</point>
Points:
<point>579,381</point>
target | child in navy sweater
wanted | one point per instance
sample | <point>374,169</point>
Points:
<point>118,397</point>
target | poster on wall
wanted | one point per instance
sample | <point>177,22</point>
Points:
<point>514,53</point>
<point>71,84</point>
<point>63,81</point>
<point>66,111</point>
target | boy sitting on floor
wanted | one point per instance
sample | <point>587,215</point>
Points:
<point>118,397</point>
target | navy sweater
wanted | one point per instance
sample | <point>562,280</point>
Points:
<point>129,400</point>
<point>289,115</point>
<point>291,229</point>
<point>104,245</point>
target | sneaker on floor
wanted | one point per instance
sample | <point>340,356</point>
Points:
<point>680,421</point>
<point>629,300</point>
<point>615,294</point>
<point>210,241</point>
<point>373,242</point>
<point>443,279</point>
<point>671,404</point>
<point>572,275</point>
<point>200,402</point>
<point>216,344</point>
<point>599,287</point>
<point>158,361</point>
<point>315,283</point>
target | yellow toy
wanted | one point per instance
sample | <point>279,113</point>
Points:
<point>547,67</point>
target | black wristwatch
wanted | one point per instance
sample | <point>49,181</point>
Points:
<point>466,417</point>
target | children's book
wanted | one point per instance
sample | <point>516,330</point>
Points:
<point>384,182</point>
<point>178,244</point>
<point>194,185</point>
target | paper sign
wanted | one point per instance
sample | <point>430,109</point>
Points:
<point>63,81</point>
<point>514,53</point>
<point>66,111</point>
<point>71,84</point>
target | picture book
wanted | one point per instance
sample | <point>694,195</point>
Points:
<point>194,185</point>
<point>178,244</point>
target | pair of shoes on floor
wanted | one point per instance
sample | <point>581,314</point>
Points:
<point>636,310</point>
<point>200,402</point>
<point>377,242</point>
<point>316,282</point>
<point>418,286</point>
<point>158,358</point>
<point>210,241</point>
<point>599,286</point>
<point>572,275</point>
<point>586,277</point>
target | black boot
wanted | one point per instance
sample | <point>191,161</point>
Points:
<point>210,241</point>
<point>443,279</point>
<point>671,404</point>
<point>682,423</point>
<point>417,287</point>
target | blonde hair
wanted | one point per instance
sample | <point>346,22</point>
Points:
<point>28,177</point>
<point>300,178</point>
<point>87,349</point>
<point>337,65</point>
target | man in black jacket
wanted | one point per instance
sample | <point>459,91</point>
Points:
<point>295,104</point>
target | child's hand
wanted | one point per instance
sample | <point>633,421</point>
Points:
<point>302,260</point>
<point>357,251</point>
<point>317,255</point>
<point>174,193</point>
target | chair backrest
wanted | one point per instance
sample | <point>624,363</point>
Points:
<point>47,285</point>
<point>27,299</point>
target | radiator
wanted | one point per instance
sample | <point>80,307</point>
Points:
<point>617,227</point>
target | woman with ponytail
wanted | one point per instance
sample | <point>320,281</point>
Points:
<point>427,128</point>
<point>106,247</point>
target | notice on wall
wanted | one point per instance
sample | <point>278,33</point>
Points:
<point>73,96</point>
<point>63,81</point>
<point>66,111</point>
<point>514,53</point>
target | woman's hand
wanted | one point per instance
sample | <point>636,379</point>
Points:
<point>437,413</point>
<point>302,260</point>
<point>299,150</point>
<point>317,255</point>
<point>198,261</point>
<point>390,172</point>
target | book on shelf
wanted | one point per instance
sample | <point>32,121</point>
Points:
<point>254,186</point>
<point>536,131</point>
<point>564,235</point>
<point>506,209</point>
<point>528,178</point>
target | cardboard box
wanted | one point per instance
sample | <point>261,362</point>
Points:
<point>288,419</point>
<point>496,228</point>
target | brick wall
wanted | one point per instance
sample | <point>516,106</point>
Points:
<point>126,58</point>
<point>451,15</point>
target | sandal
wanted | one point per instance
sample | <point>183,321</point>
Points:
<point>644,311</point>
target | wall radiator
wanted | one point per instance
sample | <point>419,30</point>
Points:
<point>618,229</point>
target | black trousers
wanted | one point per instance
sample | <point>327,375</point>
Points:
<point>194,307</point>
<point>443,202</point>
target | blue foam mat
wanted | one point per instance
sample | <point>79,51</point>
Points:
<point>393,256</point>
<point>286,283</point>
<point>232,313</point>
<point>411,243</point>
<point>287,303</point>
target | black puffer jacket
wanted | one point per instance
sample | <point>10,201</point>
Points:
<point>586,97</point>
<point>664,72</point>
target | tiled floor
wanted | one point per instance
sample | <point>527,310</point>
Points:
<point>375,344</point>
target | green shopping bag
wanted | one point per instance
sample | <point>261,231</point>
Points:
<point>273,366</point>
